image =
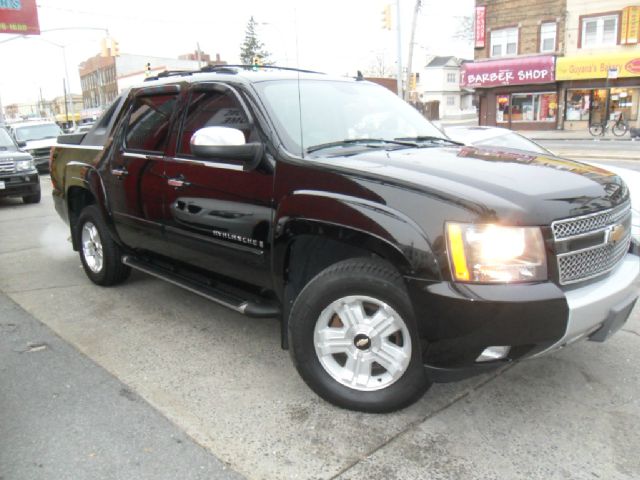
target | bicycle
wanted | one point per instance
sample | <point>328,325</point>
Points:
<point>619,127</point>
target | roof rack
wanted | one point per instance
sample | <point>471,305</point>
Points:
<point>232,69</point>
<point>170,73</point>
<point>235,68</point>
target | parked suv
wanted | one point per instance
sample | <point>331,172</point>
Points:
<point>37,138</point>
<point>392,255</point>
<point>18,174</point>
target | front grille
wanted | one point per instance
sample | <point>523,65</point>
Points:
<point>588,223</point>
<point>611,229</point>
<point>41,152</point>
<point>7,166</point>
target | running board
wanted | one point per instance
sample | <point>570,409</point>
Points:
<point>248,307</point>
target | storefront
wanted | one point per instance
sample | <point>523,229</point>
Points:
<point>517,93</point>
<point>598,87</point>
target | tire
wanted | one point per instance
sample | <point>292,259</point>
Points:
<point>619,129</point>
<point>353,338</point>
<point>101,257</point>
<point>35,198</point>
<point>596,129</point>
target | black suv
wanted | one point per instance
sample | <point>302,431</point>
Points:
<point>18,174</point>
<point>392,255</point>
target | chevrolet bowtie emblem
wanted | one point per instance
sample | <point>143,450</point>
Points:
<point>615,234</point>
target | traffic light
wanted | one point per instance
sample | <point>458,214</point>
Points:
<point>413,81</point>
<point>386,17</point>
<point>115,48</point>
<point>147,70</point>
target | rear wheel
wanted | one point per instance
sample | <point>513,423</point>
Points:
<point>353,338</point>
<point>596,129</point>
<point>101,257</point>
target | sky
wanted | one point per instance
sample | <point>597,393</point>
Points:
<point>333,36</point>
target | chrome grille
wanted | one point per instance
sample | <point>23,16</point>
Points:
<point>614,229</point>
<point>589,223</point>
<point>41,152</point>
<point>7,166</point>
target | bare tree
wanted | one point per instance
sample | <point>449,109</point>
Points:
<point>465,29</point>
<point>379,67</point>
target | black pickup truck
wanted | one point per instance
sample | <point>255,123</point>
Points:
<point>393,256</point>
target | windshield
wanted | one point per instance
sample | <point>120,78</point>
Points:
<point>5,141</point>
<point>37,132</point>
<point>336,112</point>
<point>513,140</point>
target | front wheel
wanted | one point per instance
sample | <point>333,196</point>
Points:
<point>596,129</point>
<point>35,198</point>
<point>354,340</point>
<point>101,257</point>
<point>619,129</point>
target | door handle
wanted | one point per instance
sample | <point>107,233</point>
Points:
<point>177,182</point>
<point>119,172</point>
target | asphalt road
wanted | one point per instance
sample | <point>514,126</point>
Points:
<point>223,382</point>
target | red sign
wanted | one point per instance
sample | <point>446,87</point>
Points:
<point>633,66</point>
<point>481,26</point>
<point>19,17</point>
<point>513,71</point>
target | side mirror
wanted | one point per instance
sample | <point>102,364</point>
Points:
<point>21,144</point>
<point>225,143</point>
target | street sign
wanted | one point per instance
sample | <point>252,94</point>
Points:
<point>19,17</point>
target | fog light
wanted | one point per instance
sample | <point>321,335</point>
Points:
<point>493,353</point>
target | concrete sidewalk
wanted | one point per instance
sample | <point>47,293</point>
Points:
<point>573,135</point>
<point>64,417</point>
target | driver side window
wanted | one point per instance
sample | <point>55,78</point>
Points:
<point>212,109</point>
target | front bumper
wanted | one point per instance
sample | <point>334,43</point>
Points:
<point>20,184</point>
<point>457,322</point>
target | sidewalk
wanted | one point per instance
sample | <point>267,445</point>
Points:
<point>573,135</point>
<point>64,417</point>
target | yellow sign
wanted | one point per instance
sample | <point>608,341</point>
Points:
<point>630,26</point>
<point>613,65</point>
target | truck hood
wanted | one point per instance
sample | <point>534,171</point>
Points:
<point>495,183</point>
<point>13,155</point>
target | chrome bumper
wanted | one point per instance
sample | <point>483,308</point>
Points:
<point>599,309</point>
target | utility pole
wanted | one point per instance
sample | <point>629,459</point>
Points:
<point>199,55</point>
<point>66,110</point>
<point>416,11</point>
<point>399,32</point>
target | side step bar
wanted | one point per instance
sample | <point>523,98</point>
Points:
<point>249,307</point>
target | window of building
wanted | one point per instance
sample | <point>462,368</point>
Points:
<point>548,37</point>
<point>504,42</point>
<point>451,101</point>
<point>451,77</point>
<point>527,107</point>
<point>148,123</point>
<point>212,109</point>
<point>599,31</point>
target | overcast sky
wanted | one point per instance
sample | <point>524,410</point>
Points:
<point>335,36</point>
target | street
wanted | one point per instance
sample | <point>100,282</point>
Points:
<point>219,380</point>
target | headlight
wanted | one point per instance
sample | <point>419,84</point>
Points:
<point>496,254</point>
<point>22,165</point>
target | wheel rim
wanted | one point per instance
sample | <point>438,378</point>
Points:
<point>92,247</point>
<point>362,343</point>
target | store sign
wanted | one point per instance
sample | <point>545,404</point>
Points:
<point>514,71</point>
<point>630,26</point>
<point>481,26</point>
<point>598,66</point>
<point>19,17</point>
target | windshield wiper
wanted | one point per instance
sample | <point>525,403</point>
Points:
<point>429,138</point>
<point>361,141</point>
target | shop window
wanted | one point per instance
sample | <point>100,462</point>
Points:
<point>548,37</point>
<point>578,105</point>
<point>527,107</point>
<point>504,42</point>
<point>599,31</point>
<point>624,101</point>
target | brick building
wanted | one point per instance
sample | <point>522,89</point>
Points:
<point>516,43</point>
